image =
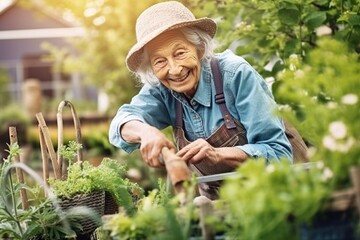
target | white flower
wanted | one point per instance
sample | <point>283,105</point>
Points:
<point>311,152</point>
<point>333,145</point>
<point>338,129</point>
<point>323,30</point>
<point>299,73</point>
<point>346,146</point>
<point>270,168</point>
<point>329,143</point>
<point>327,174</point>
<point>320,164</point>
<point>332,105</point>
<point>349,99</point>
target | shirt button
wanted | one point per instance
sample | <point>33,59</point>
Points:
<point>193,102</point>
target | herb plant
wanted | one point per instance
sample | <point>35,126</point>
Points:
<point>83,178</point>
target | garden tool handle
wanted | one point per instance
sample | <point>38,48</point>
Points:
<point>176,168</point>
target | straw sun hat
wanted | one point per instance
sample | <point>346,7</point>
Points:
<point>160,18</point>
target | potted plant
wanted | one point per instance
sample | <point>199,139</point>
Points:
<point>40,220</point>
<point>85,181</point>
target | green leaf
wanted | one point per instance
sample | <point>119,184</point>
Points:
<point>289,16</point>
<point>354,19</point>
<point>315,19</point>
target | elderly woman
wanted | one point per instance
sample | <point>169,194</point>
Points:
<point>220,108</point>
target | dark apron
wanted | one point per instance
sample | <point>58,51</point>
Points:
<point>229,134</point>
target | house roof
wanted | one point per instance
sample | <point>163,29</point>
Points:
<point>17,22</point>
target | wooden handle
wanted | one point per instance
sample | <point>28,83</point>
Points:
<point>176,168</point>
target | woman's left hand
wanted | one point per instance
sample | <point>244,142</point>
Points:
<point>197,151</point>
<point>201,150</point>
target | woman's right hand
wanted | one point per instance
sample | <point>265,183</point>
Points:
<point>151,140</point>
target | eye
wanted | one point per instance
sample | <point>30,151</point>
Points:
<point>180,53</point>
<point>159,63</point>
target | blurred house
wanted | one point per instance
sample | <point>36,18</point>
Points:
<point>22,32</point>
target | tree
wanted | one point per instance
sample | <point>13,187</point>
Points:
<point>110,32</point>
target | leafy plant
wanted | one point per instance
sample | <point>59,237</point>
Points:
<point>159,216</point>
<point>41,220</point>
<point>267,33</point>
<point>82,177</point>
<point>320,96</point>
<point>272,201</point>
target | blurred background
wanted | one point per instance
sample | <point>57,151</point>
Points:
<point>53,50</point>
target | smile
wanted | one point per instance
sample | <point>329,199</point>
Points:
<point>181,79</point>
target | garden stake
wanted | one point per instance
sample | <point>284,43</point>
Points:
<point>50,148</point>
<point>19,173</point>
<point>355,178</point>
<point>44,156</point>
<point>59,118</point>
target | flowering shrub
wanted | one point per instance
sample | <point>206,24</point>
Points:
<point>321,97</point>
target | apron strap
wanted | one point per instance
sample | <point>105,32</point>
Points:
<point>219,96</point>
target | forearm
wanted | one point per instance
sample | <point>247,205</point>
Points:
<point>133,130</point>
<point>231,156</point>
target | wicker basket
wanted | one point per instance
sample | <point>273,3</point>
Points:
<point>111,206</point>
<point>94,201</point>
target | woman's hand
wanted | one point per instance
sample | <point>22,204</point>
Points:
<point>151,140</point>
<point>197,151</point>
<point>201,150</point>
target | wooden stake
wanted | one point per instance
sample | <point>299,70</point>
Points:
<point>44,156</point>
<point>19,173</point>
<point>355,178</point>
<point>49,145</point>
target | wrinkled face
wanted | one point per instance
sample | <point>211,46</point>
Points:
<point>175,62</point>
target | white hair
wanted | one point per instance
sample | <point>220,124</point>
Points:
<point>200,39</point>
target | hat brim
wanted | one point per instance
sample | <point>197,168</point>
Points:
<point>134,57</point>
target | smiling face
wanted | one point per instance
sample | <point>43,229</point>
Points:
<point>175,62</point>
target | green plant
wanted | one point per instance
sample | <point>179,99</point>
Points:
<point>13,114</point>
<point>4,82</point>
<point>42,220</point>
<point>272,201</point>
<point>269,32</point>
<point>320,96</point>
<point>158,216</point>
<point>82,177</point>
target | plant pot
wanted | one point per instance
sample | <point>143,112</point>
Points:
<point>94,201</point>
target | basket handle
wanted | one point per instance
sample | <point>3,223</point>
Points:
<point>76,120</point>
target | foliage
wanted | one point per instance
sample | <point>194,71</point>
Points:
<point>322,99</point>
<point>271,201</point>
<point>110,32</point>
<point>4,82</point>
<point>69,151</point>
<point>82,177</point>
<point>158,217</point>
<point>39,220</point>
<point>265,32</point>
<point>13,114</point>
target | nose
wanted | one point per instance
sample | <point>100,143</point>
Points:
<point>174,68</point>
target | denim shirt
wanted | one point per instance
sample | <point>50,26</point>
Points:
<point>247,97</point>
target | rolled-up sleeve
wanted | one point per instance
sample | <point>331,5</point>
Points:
<point>147,106</point>
<point>115,137</point>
